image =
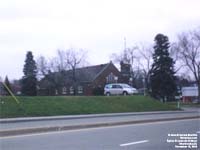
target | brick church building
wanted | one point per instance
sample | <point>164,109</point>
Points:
<point>88,80</point>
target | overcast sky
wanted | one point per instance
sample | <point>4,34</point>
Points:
<point>43,26</point>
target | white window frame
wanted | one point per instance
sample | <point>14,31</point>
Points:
<point>64,90</point>
<point>111,78</point>
<point>71,90</point>
<point>80,89</point>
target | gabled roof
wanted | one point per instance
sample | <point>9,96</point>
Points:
<point>84,74</point>
<point>88,74</point>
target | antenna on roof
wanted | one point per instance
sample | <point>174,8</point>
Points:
<point>124,43</point>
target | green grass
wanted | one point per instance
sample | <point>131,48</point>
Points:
<point>188,104</point>
<point>67,105</point>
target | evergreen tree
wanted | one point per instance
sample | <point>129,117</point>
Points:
<point>162,78</point>
<point>7,83</point>
<point>29,80</point>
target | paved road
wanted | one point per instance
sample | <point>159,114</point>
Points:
<point>148,136</point>
<point>83,121</point>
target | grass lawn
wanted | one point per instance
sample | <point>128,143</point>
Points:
<point>185,104</point>
<point>68,105</point>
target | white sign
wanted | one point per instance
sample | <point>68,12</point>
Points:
<point>189,91</point>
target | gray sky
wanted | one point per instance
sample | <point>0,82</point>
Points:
<point>43,26</point>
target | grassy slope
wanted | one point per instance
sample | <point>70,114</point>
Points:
<point>49,106</point>
<point>188,104</point>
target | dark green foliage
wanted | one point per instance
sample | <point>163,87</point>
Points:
<point>54,81</point>
<point>162,77</point>
<point>138,77</point>
<point>98,91</point>
<point>7,83</point>
<point>29,80</point>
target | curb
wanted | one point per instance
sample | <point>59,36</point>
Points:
<point>7,133</point>
<point>15,120</point>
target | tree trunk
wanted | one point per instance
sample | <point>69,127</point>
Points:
<point>198,85</point>
<point>74,80</point>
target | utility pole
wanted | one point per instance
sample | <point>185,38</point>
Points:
<point>124,43</point>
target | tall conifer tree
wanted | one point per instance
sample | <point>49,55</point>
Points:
<point>162,78</point>
<point>7,83</point>
<point>29,80</point>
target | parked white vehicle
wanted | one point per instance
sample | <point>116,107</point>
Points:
<point>119,89</point>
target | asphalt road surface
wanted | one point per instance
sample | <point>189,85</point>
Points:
<point>83,121</point>
<point>147,136</point>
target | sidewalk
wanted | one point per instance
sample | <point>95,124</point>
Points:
<point>16,126</point>
<point>28,119</point>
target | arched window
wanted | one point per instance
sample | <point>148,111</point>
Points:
<point>80,90</point>
<point>71,90</point>
<point>64,90</point>
<point>111,78</point>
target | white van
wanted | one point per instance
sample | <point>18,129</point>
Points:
<point>119,89</point>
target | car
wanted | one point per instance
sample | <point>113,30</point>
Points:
<point>119,89</point>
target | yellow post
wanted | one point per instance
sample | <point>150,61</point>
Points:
<point>10,92</point>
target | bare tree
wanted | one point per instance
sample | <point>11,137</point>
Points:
<point>140,58</point>
<point>188,46</point>
<point>62,60</point>
<point>74,59</point>
<point>55,64</point>
<point>42,66</point>
<point>128,56</point>
<point>175,54</point>
<point>65,60</point>
<point>59,62</point>
<point>145,61</point>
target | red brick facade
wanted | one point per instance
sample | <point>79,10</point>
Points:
<point>90,81</point>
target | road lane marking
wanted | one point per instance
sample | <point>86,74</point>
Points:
<point>133,143</point>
